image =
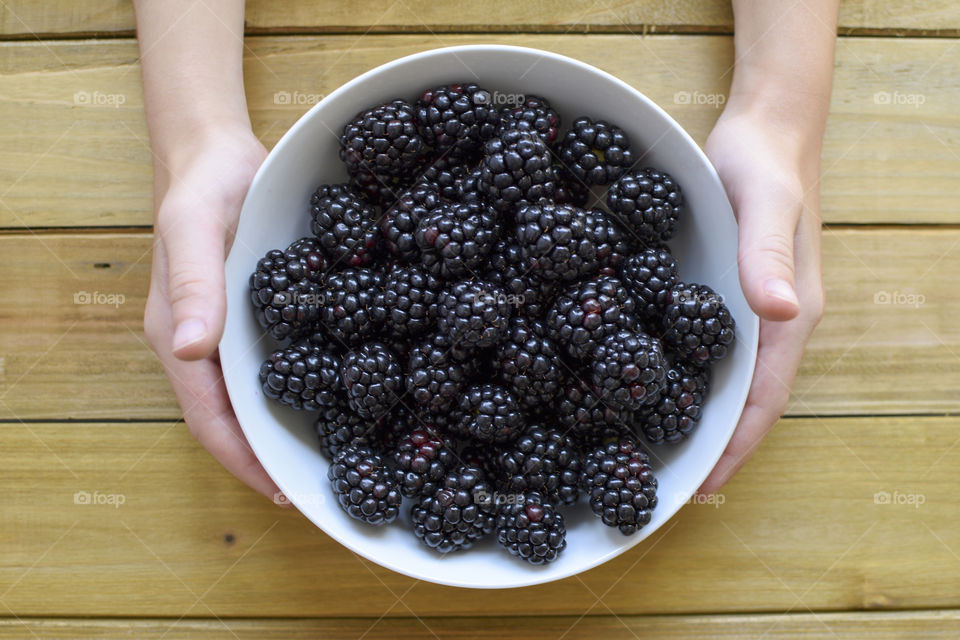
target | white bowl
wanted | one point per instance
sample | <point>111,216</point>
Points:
<point>275,213</point>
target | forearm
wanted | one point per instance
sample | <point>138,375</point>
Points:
<point>784,66</point>
<point>191,54</point>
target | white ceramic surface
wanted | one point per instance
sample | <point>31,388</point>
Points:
<point>275,213</point>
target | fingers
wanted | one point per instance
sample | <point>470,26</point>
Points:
<point>202,394</point>
<point>768,216</point>
<point>194,242</point>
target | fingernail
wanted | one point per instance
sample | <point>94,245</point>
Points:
<point>188,332</point>
<point>781,290</point>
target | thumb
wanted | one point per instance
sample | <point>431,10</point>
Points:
<point>196,288</point>
<point>768,222</point>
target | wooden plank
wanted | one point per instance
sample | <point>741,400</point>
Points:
<point>59,17</point>
<point>852,626</point>
<point>798,528</point>
<point>71,116</point>
<point>59,359</point>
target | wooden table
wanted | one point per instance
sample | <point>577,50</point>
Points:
<point>799,547</point>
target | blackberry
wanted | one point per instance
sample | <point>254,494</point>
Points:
<point>563,242</point>
<point>348,300</point>
<point>406,306</point>
<point>474,314</point>
<point>595,152</point>
<point>345,225</point>
<point>570,189</point>
<point>455,238</point>
<point>505,267</point>
<point>468,191</point>
<point>373,379</point>
<point>588,312</point>
<point>532,529</point>
<point>483,457</point>
<point>364,486</point>
<point>649,275</point>
<point>648,203</point>
<point>696,323</point>
<point>516,170</point>
<point>457,514</point>
<point>435,374</point>
<point>673,418</point>
<point>422,461</point>
<point>530,365</point>
<point>382,140</point>
<point>285,289</point>
<point>620,485</point>
<point>445,175</point>
<point>534,115</point>
<point>338,426</point>
<point>544,460</point>
<point>399,223</point>
<point>592,420</point>
<point>304,375</point>
<point>489,413</point>
<point>629,369</point>
<point>457,118</point>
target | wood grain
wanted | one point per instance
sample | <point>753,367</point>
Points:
<point>60,359</point>
<point>74,152</point>
<point>798,528</point>
<point>880,626</point>
<point>60,17</point>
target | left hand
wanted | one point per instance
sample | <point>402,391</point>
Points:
<point>773,185</point>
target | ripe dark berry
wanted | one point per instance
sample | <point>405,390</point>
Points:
<point>562,242</point>
<point>530,364</point>
<point>677,413</point>
<point>445,175</point>
<point>399,223</point>
<point>423,459</point>
<point>648,203</point>
<point>534,115</point>
<point>595,152</point>
<point>629,369</point>
<point>620,485</point>
<point>696,323</point>
<point>588,312</point>
<point>347,311</point>
<point>457,118</point>
<point>544,460</point>
<point>373,379</point>
<point>285,289</point>
<point>437,373</point>
<point>506,267</point>
<point>532,529</point>
<point>490,414</point>
<point>590,418</point>
<point>474,314</point>
<point>364,486</point>
<point>305,375</point>
<point>457,514</point>
<point>345,225</point>
<point>407,302</point>
<point>455,239</point>
<point>339,425</point>
<point>382,140</point>
<point>649,275</point>
<point>516,170</point>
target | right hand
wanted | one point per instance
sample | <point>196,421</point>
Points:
<point>198,193</point>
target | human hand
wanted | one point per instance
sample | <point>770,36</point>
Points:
<point>199,190</point>
<point>772,179</point>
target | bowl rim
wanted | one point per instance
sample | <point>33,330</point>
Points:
<point>533,576</point>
